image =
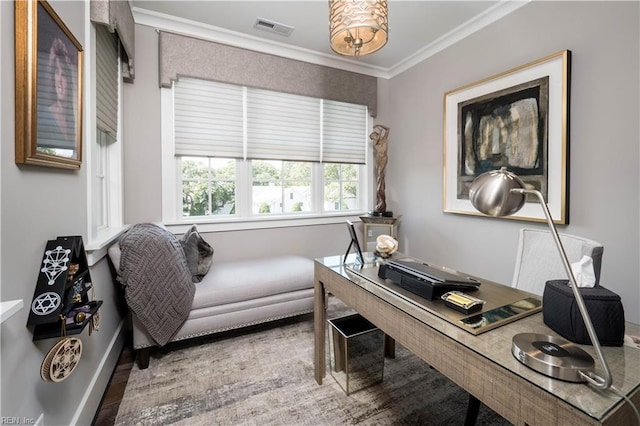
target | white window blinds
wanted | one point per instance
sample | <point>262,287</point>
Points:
<point>282,126</point>
<point>106,81</point>
<point>209,119</point>
<point>344,127</point>
<point>217,120</point>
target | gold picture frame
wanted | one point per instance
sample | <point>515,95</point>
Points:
<point>517,119</point>
<point>49,77</point>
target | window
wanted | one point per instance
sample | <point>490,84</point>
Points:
<point>341,187</point>
<point>100,180</point>
<point>238,153</point>
<point>104,168</point>
<point>280,187</point>
<point>208,186</point>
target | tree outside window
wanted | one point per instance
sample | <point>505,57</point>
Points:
<point>280,186</point>
<point>340,187</point>
<point>208,186</point>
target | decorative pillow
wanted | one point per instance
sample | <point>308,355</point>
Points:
<point>198,252</point>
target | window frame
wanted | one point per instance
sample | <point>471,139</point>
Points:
<point>341,182</point>
<point>210,182</point>
<point>101,234</point>
<point>172,191</point>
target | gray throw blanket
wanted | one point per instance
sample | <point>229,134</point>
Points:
<point>156,279</point>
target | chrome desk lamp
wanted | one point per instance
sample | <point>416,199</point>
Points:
<point>502,193</point>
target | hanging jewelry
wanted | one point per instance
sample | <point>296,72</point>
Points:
<point>95,318</point>
<point>62,358</point>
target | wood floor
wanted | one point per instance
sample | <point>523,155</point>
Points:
<point>108,409</point>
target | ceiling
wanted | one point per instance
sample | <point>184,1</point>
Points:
<point>415,27</point>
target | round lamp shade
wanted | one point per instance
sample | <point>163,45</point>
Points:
<point>357,27</point>
<point>490,193</point>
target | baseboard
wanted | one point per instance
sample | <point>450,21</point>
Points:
<point>91,400</point>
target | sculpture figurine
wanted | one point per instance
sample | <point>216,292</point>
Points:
<point>379,139</point>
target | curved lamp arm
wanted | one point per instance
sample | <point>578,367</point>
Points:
<point>591,377</point>
<point>502,193</point>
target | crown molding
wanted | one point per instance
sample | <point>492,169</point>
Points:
<point>190,28</point>
<point>478,22</point>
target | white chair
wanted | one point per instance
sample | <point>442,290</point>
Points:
<point>537,262</point>
<point>538,259</point>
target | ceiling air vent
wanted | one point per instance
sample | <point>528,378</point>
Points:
<point>273,27</point>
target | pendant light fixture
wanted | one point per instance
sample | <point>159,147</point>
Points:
<point>358,27</point>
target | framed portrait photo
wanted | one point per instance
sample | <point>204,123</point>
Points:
<point>49,63</point>
<point>518,119</point>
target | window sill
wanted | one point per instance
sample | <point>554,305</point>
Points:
<point>9,308</point>
<point>242,224</point>
<point>97,248</point>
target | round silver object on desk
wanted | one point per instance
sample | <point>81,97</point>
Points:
<point>552,356</point>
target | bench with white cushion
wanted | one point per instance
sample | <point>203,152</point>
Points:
<point>237,294</point>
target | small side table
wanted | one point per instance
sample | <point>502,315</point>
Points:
<point>375,226</point>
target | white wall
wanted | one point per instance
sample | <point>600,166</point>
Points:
<point>39,204</point>
<point>604,139</point>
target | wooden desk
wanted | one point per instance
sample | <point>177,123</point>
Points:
<point>481,364</point>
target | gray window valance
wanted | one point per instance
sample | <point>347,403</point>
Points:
<point>117,16</point>
<point>186,56</point>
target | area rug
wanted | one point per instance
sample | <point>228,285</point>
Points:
<point>264,376</point>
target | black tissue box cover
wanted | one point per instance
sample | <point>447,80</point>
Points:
<point>560,312</point>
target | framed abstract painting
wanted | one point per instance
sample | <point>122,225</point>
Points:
<point>518,119</point>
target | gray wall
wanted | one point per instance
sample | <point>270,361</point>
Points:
<point>143,185</point>
<point>39,204</point>
<point>604,156</point>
